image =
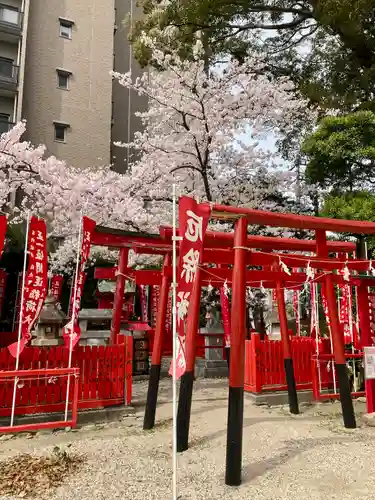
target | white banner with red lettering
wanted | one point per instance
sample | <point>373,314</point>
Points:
<point>56,286</point>
<point>225,315</point>
<point>71,331</point>
<point>193,222</point>
<point>36,282</point>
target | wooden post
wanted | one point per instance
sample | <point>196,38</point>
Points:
<point>187,379</point>
<point>237,358</point>
<point>119,295</point>
<point>153,381</point>
<point>337,339</point>
<point>256,346</point>
<point>287,351</point>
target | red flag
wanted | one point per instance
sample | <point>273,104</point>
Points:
<point>56,286</point>
<point>155,296</point>
<point>36,282</point>
<point>225,314</point>
<point>3,282</point>
<point>144,311</point>
<point>193,222</point>
<point>168,317</point>
<point>71,331</point>
<point>3,230</point>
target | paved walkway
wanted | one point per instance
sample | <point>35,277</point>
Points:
<point>284,457</point>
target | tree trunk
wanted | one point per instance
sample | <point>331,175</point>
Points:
<point>206,186</point>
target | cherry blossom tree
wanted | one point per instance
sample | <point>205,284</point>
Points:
<point>203,128</point>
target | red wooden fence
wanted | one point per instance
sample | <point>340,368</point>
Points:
<point>21,375</point>
<point>264,365</point>
<point>103,373</point>
<point>323,370</point>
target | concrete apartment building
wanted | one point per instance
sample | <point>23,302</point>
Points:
<point>55,60</point>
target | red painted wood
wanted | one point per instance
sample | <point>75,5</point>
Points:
<point>265,363</point>
<point>128,369</point>
<point>101,382</point>
<point>225,240</point>
<point>295,221</point>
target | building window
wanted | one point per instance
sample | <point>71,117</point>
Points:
<point>9,15</point>
<point>4,123</point>
<point>60,131</point>
<point>66,29</point>
<point>6,67</point>
<point>63,79</point>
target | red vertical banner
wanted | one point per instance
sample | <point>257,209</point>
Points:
<point>3,230</point>
<point>71,331</point>
<point>3,282</point>
<point>3,274</point>
<point>81,284</point>
<point>345,301</point>
<point>56,286</point>
<point>143,297</point>
<point>225,314</point>
<point>314,318</point>
<point>168,317</point>
<point>155,295</point>
<point>193,222</point>
<point>36,282</point>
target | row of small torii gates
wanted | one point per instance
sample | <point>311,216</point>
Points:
<point>232,254</point>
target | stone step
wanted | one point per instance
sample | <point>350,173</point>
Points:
<point>95,334</point>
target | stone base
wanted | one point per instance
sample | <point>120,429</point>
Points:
<point>46,342</point>
<point>278,398</point>
<point>205,368</point>
<point>165,364</point>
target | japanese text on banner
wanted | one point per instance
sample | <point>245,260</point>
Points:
<point>225,314</point>
<point>56,287</point>
<point>193,222</point>
<point>72,331</point>
<point>36,282</point>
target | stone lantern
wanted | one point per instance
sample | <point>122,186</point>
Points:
<point>51,319</point>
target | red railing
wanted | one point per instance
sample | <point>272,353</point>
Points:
<point>56,373</point>
<point>104,372</point>
<point>264,364</point>
<point>322,368</point>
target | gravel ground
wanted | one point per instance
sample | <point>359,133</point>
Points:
<point>284,457</point>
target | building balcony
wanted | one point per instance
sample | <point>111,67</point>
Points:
<point>8,75</point>
<point>5,125</point>
<point>11,20</point>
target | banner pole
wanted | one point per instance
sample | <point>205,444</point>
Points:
<point>21,317</point>
<point>73,315</point>
<point>174,338</point>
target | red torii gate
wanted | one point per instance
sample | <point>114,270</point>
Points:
<point>124,240</point>
<point>218,252</point>
<point>242,218</point>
